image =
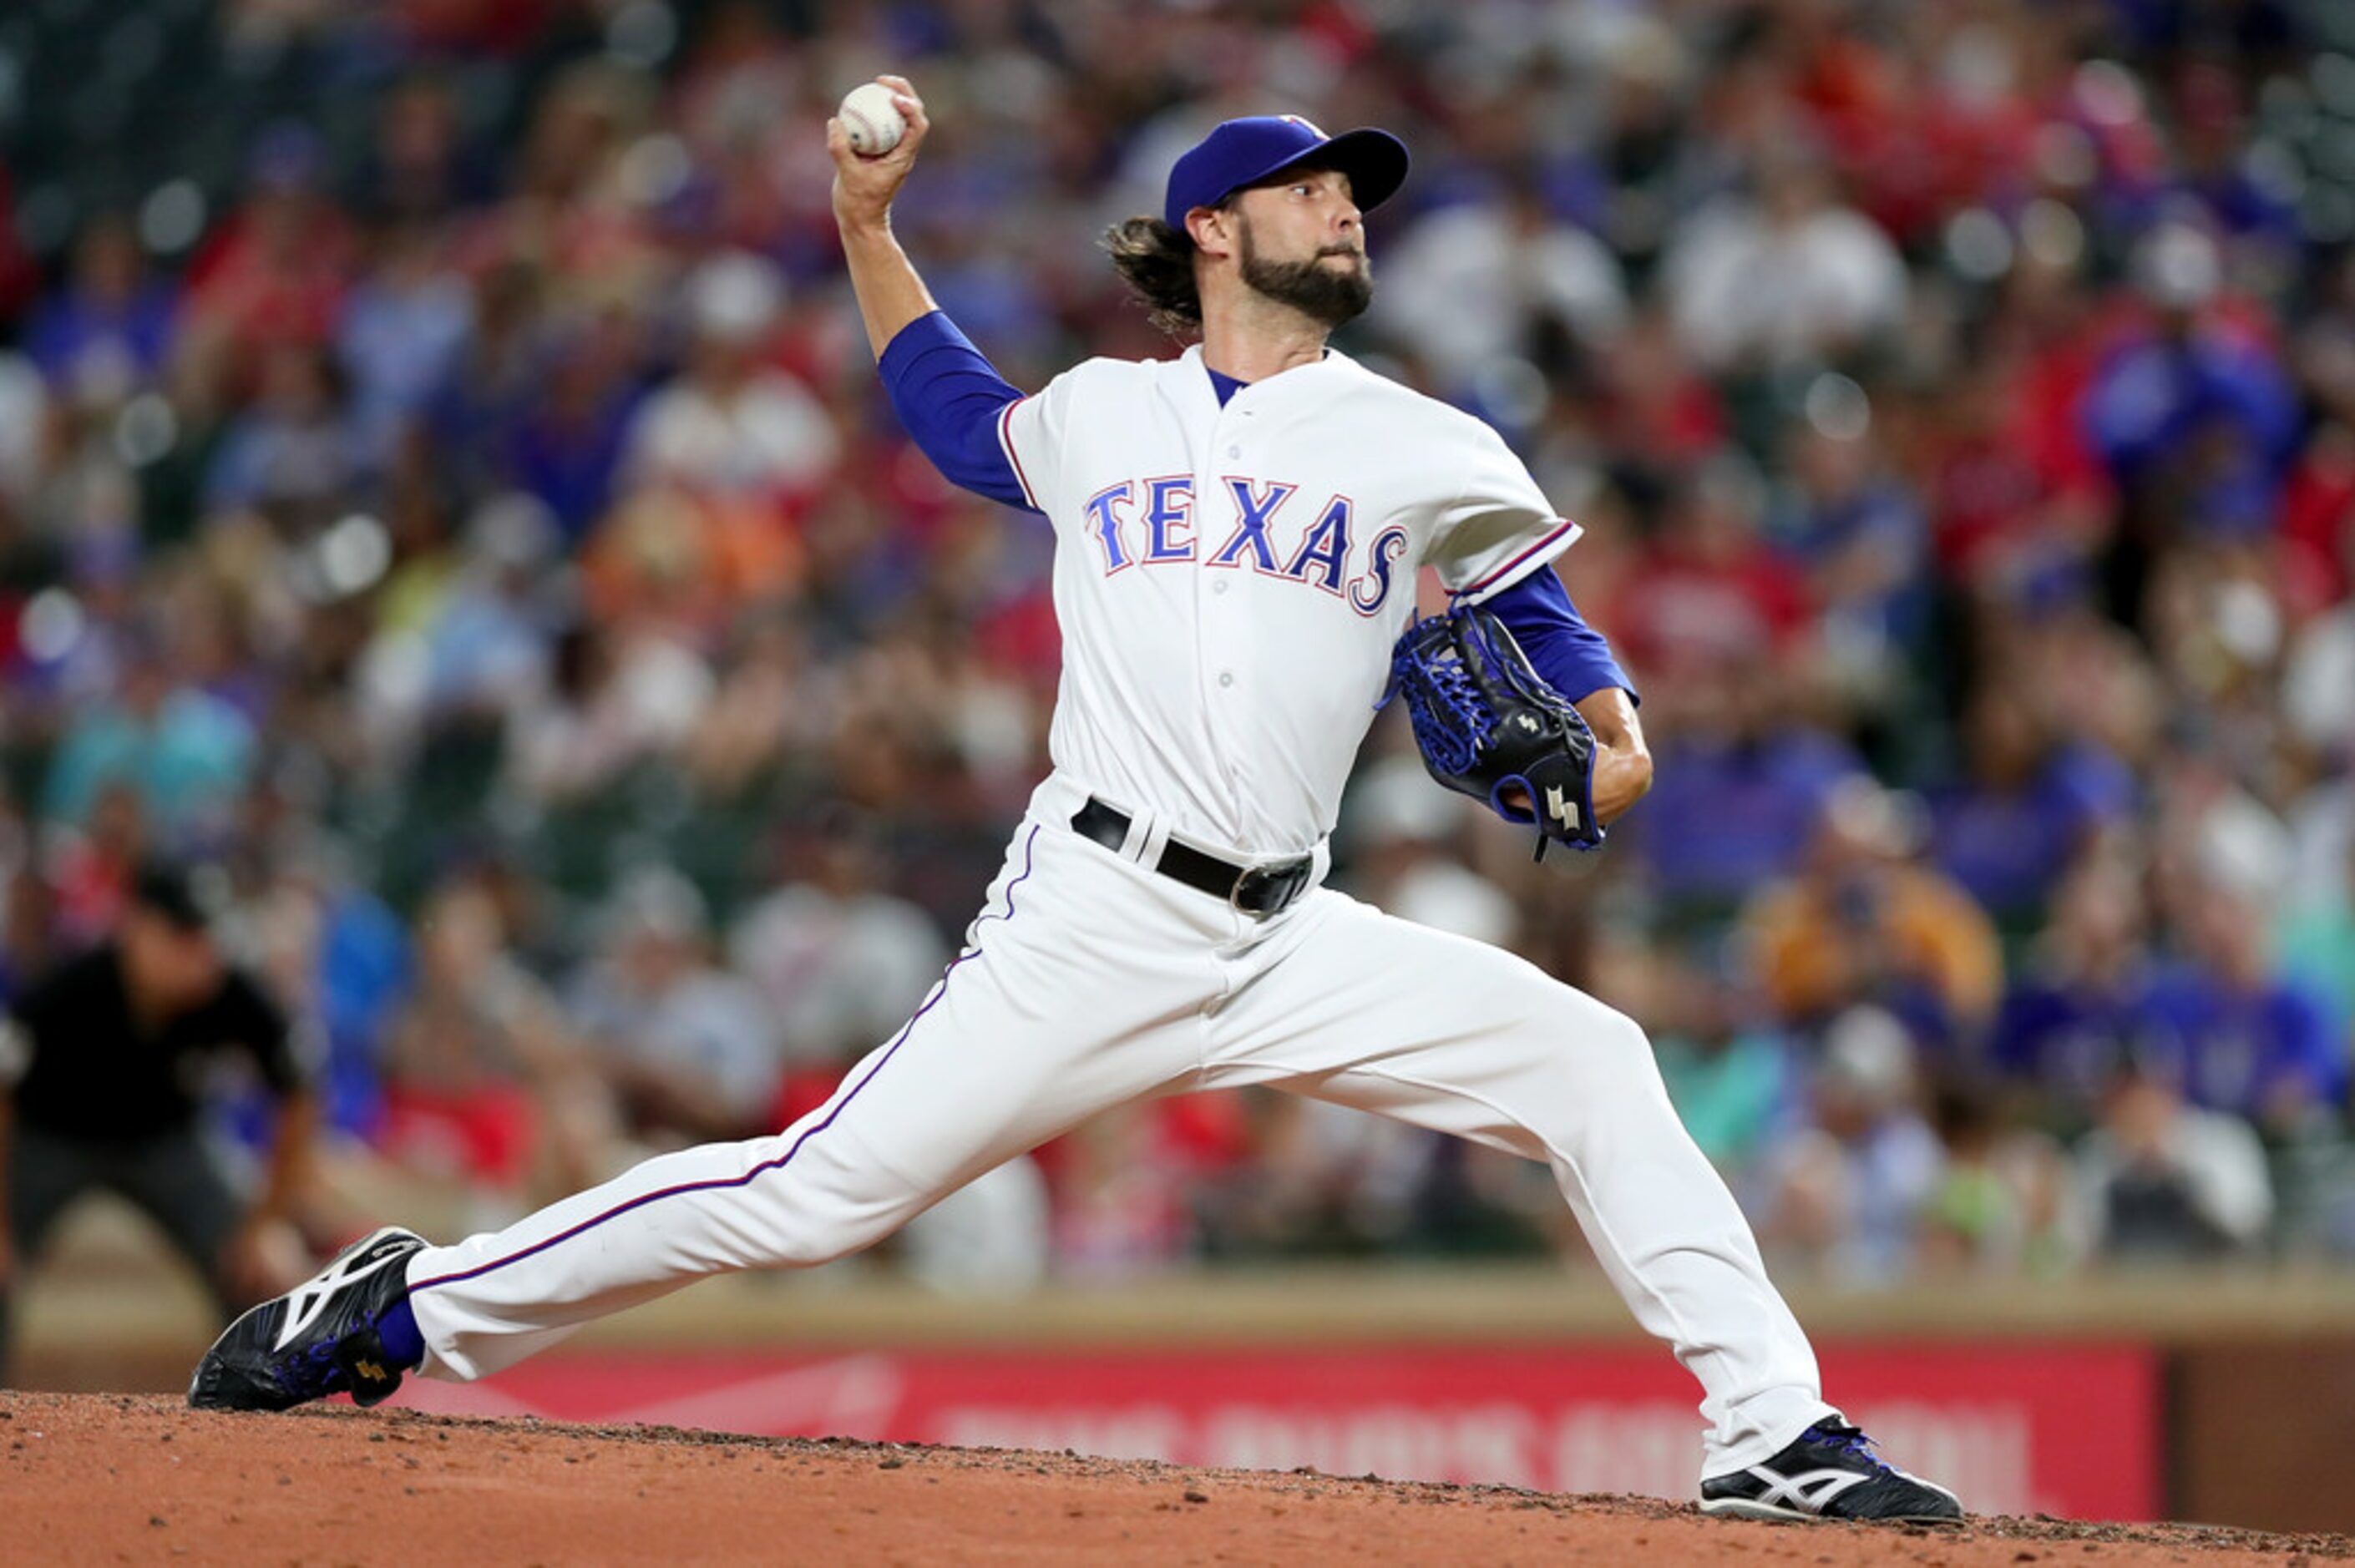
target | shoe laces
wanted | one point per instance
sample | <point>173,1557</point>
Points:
<point>1849,1439</point>
<point>322,1357</point>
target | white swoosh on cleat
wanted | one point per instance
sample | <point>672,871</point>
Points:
<point>308,1299</point>
<point>1811,1492</point>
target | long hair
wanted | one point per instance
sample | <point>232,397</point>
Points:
<point>1156,262</point>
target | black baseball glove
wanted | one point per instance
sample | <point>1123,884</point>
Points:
<point>1486,721</point>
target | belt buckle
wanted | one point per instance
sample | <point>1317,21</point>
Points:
<point>1286,881</point>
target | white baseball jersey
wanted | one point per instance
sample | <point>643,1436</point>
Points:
<point>1229,580</point>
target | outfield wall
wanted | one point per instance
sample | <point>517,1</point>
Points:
<point>2071,1430</point>
<point>2223,1399</point>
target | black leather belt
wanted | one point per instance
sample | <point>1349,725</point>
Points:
<point>1258,891</point>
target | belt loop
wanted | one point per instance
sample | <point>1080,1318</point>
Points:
<point>1146,835</point>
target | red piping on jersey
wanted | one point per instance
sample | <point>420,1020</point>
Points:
<point>1006,440</point>
<point>1506,570</point>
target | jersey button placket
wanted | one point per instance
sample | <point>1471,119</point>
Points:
<point>1227,615</point>
<point>1218,630</point>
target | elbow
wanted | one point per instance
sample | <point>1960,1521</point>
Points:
<point>1639,772</point>
<point>1623,776</point>
<point>1632,767</point>
<point>1610,718</point>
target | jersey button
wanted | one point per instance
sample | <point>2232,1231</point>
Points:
<point>1234,451</point>
<point>1226,677</point>
<point>1219,586</point>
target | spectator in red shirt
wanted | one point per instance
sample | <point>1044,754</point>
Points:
<point>1711,586</point>
<point>274,274</point>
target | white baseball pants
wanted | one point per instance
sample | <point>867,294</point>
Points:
<point>1089,981</point>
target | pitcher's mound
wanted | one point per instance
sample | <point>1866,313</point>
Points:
<point>113,1478</point>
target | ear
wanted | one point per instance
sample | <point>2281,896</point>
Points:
<point>1212,229</point>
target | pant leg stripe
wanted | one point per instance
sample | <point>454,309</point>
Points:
<point>940,988</point>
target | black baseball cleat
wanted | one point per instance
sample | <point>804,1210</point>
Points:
<point>318,1338</point>
<point>1829,1471</point>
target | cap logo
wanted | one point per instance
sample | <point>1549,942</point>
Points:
<point>1306,125</point>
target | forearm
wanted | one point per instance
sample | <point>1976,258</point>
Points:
<point>945,392</point>
<point>891,293</point>
<point>1623,762</point>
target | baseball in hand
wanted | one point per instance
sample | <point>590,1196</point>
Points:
<point>871,120</point>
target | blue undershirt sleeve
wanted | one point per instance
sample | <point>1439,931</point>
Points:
<point>1571,655</point>
<point>949,397</point>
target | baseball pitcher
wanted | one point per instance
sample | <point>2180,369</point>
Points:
<point>1238,532</point>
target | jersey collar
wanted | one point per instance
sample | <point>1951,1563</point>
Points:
<point>1199,373</point>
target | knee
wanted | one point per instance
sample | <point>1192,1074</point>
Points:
<point>1575,1047</point>
<point>1622,1041</point>
<point>1620,1050</point>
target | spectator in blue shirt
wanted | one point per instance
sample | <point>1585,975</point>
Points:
<point>566,448</point>
<point>403,328</point>
<point>2030,803</point>
<point>2078,1013</point>
<point>187,754</point>
<point>1741,787</point>
<point>109,329</point>
<point>2236,1035</point>
<point>2192,411</point>
<point>1858,532</point>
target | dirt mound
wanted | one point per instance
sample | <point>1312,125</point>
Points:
<point>110,1478</point>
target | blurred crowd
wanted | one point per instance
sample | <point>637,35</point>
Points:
<point>443,483</point>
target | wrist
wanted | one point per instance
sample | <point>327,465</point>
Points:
<point>863,223</point>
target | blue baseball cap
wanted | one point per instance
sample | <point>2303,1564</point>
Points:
<point>1242,153</point>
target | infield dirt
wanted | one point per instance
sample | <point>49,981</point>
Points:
<point>120,1477</point>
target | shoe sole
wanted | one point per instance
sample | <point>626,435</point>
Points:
<point>1742,1507</point>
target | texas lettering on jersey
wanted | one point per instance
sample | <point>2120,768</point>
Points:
<point>1153,522</point>
<point>1311,498</point>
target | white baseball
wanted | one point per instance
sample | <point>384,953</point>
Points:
<point>871,120</point>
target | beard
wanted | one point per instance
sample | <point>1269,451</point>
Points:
<point>1314,289</point>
